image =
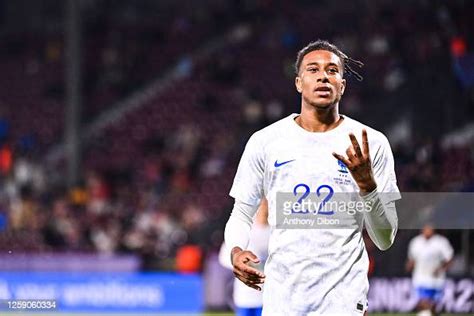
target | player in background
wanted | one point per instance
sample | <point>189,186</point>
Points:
<point>248,301</point>
<point>320,271</point>
<point>429,256</point>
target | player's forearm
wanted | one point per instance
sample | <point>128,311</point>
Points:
<point>237,229</point>
<point>446,264</point>
<point>381,220</point>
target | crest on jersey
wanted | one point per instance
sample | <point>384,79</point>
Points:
<point>342,167</point>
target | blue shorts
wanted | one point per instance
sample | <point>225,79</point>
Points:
<point>256,311</point>
<point>426,293</point>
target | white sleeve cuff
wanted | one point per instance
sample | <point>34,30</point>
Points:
<point>381,220</point>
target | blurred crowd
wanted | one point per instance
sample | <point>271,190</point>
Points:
<point>160,191</point>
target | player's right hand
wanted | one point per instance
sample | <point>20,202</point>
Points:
<point>242,261</point>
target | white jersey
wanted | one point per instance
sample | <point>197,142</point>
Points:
<point>311,271</point>
<point>244,296</point>
<point>428,255</point>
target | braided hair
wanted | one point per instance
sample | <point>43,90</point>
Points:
<point>347,62</point>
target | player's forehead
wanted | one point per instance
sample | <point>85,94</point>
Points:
<point>321,57</point>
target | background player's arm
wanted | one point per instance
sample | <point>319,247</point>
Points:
<point>381,221</point>
<point>447,254</point>
<point>443,267</point>
<point>410,265</point>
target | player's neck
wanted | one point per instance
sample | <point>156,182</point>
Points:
<point>319,120</point>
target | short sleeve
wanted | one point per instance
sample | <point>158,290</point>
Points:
<point>447,251</point>
<point>248,181</point>
<point>384,172</point>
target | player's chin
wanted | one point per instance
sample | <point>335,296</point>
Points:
<point>323,103</point>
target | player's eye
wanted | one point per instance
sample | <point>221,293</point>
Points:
<point>312,69</point>
<point>333,70</point>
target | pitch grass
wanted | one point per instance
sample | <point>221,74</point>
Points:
<point>163,314</point>
<point>370,314</point>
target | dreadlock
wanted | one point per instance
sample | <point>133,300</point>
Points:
<point>347,62</point>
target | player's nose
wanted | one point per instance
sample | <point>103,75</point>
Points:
<point>323,77</point>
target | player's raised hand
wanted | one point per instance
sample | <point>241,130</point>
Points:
<point>242,260</point>
<point>359,164</point>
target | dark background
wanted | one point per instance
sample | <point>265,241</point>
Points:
<point>122,122</point>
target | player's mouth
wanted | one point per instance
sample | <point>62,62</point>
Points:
<point>323,91</point>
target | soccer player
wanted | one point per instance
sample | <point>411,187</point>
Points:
<point>248,301</point>
<point>314,271</point>
<point>429,256</point>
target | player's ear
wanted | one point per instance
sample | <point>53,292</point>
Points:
<point>343,86</point>
<point>298,84</point>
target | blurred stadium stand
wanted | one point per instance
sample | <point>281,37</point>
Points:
<point>173,89</point>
